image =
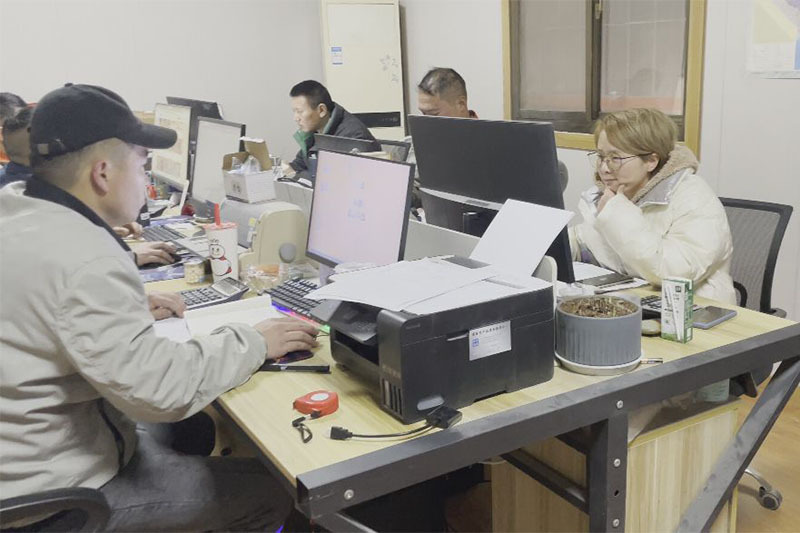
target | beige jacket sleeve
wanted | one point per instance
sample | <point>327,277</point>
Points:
<point>692,245</point>
<point>107,333</point>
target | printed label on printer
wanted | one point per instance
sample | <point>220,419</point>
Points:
<point>489,340</point>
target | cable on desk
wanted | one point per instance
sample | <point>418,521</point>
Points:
<point>442,417</point>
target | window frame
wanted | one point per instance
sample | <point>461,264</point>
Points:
<point>695,48</point>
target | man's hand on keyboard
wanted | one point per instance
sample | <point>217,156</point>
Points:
<point>284,335</point>
<point>164,305</point>
<point>154,252</point>
<point>131,230</point>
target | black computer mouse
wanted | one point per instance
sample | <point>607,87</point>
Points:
<point>175,259</point>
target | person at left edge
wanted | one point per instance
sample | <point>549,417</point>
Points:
<point>80,358</point>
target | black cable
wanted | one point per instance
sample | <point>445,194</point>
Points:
<point>340,433</point>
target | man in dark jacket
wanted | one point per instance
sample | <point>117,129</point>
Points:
<point>315,112</point>
<point>16,144</point>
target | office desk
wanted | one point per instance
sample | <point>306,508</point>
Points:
<point>328,476</point>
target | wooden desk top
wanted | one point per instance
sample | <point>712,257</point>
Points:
<point>262,407</point>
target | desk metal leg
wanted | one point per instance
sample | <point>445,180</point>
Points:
<point>737,456</point>
<point>341,522</point>
<point>607,466</point>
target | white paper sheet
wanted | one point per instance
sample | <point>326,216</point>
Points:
<point>249,311</point>
<point>401,284</point>
<point>519,236</point>
<point>587,270</point>
<point>172,328</point>
<point>480,291</point>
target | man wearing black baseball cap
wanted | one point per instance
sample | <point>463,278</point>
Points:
<point>81,360</point>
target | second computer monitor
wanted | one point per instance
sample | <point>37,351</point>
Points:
<point>171,165</point>
<point>215,139</point>
<point>359,212</point>
<point>200,108</point>
<point>468,168</point>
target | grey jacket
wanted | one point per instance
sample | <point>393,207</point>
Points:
<point>79,360</point>
<point>341,124</point>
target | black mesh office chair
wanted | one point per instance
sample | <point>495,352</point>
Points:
<point>398,150</point>
<point>757,229</point>
<point>71,509</point>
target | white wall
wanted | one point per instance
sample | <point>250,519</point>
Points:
<point>750,137</point>
<point>460,34</point>
<point>245,54</point>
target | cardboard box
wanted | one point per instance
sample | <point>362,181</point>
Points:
<point>255,186</point>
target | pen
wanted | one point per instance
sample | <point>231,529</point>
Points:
<point>652,360</point>
<point>322,369</point>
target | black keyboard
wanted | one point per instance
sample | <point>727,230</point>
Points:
<point>160,233</point>
<point>291,295</point>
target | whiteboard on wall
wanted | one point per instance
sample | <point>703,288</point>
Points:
<point>363,62</point>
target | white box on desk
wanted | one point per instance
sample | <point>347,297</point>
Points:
<point>255,186</point>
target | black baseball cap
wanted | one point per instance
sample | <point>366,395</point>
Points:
<point>75,116</point>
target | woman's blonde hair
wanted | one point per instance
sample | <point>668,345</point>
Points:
<point>640,131</point>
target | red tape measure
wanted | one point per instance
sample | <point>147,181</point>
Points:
<point>317,403</point>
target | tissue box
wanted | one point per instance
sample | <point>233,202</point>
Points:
<point>255,186</point>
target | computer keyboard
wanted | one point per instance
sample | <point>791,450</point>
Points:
<point>160,233</point>
<point>291,294</point>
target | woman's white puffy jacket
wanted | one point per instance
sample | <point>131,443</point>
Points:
<point>674,226</point>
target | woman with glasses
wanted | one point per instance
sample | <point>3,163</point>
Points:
<point>649,214</point>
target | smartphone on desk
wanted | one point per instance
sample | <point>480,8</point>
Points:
<point>607,280</point>
<point>711,315</point>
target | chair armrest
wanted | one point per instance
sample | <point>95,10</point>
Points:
<point>43,504</point>
<point>777,312</point>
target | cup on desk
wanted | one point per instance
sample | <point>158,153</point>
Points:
<point>222,250</point>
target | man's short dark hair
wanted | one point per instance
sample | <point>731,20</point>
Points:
<point>443,82</point>
<point>315,93</point>
<point>19,121</point>
<point>10,104</point>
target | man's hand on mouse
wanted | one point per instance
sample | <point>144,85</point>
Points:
<point>154,252</point>
<point>284,335</point>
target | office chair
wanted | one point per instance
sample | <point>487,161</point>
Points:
<point>563,175</point>
<point>398,150</point>
<point>71,509</point>
<point>757,229</point>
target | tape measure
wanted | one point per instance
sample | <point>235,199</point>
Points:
<point>317,403</point>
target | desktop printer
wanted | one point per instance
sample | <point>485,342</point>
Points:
<point>270,230</point>
<point>452,357</point>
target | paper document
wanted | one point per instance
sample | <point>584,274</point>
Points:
<point>587,270</point>
<point>475,293</point>
<point>172,328</point>
<point>402,284</point>
<point>249,311</point>
<point>205,320</point>
<point>518,237</point>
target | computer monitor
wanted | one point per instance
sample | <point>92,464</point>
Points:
<point>468,168</point>
<point>333,143</point>
<point>200,108</point>
<point>171,165</point>
<point>215,138</point>
<point>359,211</point>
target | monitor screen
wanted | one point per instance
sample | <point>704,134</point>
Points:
<point>200,108</point>
<point>359,211</point>
<point>215,139</point>
<point>171,165</point>
<point>468,168</point>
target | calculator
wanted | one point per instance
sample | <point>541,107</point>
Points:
<point>224,290</point>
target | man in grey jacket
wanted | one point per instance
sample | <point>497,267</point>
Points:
<point>80,359</point>
<point>315,112</point>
